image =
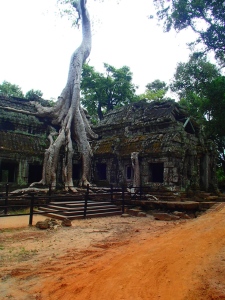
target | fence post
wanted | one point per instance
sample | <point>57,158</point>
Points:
<point>86,201</point>
<point>123,199</point>
<point>111,193</point>
<point>31,209</point>
<point>6,198</point>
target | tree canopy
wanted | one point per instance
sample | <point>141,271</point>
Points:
<point>191,81</point>
<point>11,90</point>
<point>33,94</point>
<point>102,92</point>
<point>205,17</point>
<point>155,90</point>
<point>215,105</point>
<point>201,89</point>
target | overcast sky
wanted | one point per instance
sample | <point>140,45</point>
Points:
<point>36,44</point>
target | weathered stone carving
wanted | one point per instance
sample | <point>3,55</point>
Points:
<point>136,168</point>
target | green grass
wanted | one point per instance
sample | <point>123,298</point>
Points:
<point>20,211</point>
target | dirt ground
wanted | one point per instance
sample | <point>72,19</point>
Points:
<point>116,258</point>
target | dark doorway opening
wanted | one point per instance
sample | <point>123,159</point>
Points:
<point>8,172</point>
<point>129,172</point>
<point>101,171</point>
<point>77,171</point>
<point>156,171</point>
<point>35,173</point>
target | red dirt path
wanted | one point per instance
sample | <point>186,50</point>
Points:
<point>132,258</point>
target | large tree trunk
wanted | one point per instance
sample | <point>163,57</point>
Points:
<point>69,115</point>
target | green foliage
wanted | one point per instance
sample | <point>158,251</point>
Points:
<point>221,178</point>
<point>155,90</point>
<point>103,92</point>
<point>11,90</point>
<point>215,105</point>
<point>201,89</point>
<point>33,94</point>
<point>69,8</point>
<point>194,74</point>
<point>190,82</point>
<point>36,95</point>
<point>206,18</point>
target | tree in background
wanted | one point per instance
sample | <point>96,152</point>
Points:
<point>206,18</point>
<point>215,125</point>
<point>11,90</point>
<point>201,89</point>
<point>190,82</point>
<point>34,94</point>
<point>104,92</point>
<point>156,90</point>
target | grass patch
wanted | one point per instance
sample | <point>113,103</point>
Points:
<point>25,254</point>
<point>21,211</point>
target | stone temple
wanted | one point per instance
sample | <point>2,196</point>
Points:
<point>173,153</point>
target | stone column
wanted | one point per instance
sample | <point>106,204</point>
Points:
<point>136,168</point>
<point>22,178</point>
<point>205,174</point>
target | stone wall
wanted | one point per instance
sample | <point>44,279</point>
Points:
<point>173,152</point>
<point>23,140</point>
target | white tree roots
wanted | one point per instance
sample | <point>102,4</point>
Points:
<point>70,117</point>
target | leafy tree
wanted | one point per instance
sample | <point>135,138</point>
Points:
<point>103,92</point>
<point>157,85</point>
<point>10,89</point>
<point>215,106</point>
<point>205,17</point>
<point>155,90</point>
<point>36,95</point>
<point>190,82</point>
<point>33,94</point>
<point>201,89</point>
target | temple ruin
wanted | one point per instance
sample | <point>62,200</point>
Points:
<point>173,153</point>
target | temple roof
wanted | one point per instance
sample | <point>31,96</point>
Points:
<point>145,111</point>
<point>148,127</point>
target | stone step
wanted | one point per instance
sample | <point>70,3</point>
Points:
<point>70,212</point>
<point>96,204</point>
<point>75,209</point>
<point>206,205</point>
<point>81,216</point>
<point>72,206</point>
<point>221,199</point>
<point>203,195</point>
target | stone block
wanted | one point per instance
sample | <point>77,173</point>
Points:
<point>66,222</point>
<point>141,214</point>
<point>165,217</point>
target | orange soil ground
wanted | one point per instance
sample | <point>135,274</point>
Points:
<point>116,258</point>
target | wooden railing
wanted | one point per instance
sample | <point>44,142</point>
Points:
<point>10,204</point>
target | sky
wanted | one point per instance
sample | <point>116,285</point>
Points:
<point>36,43</point>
